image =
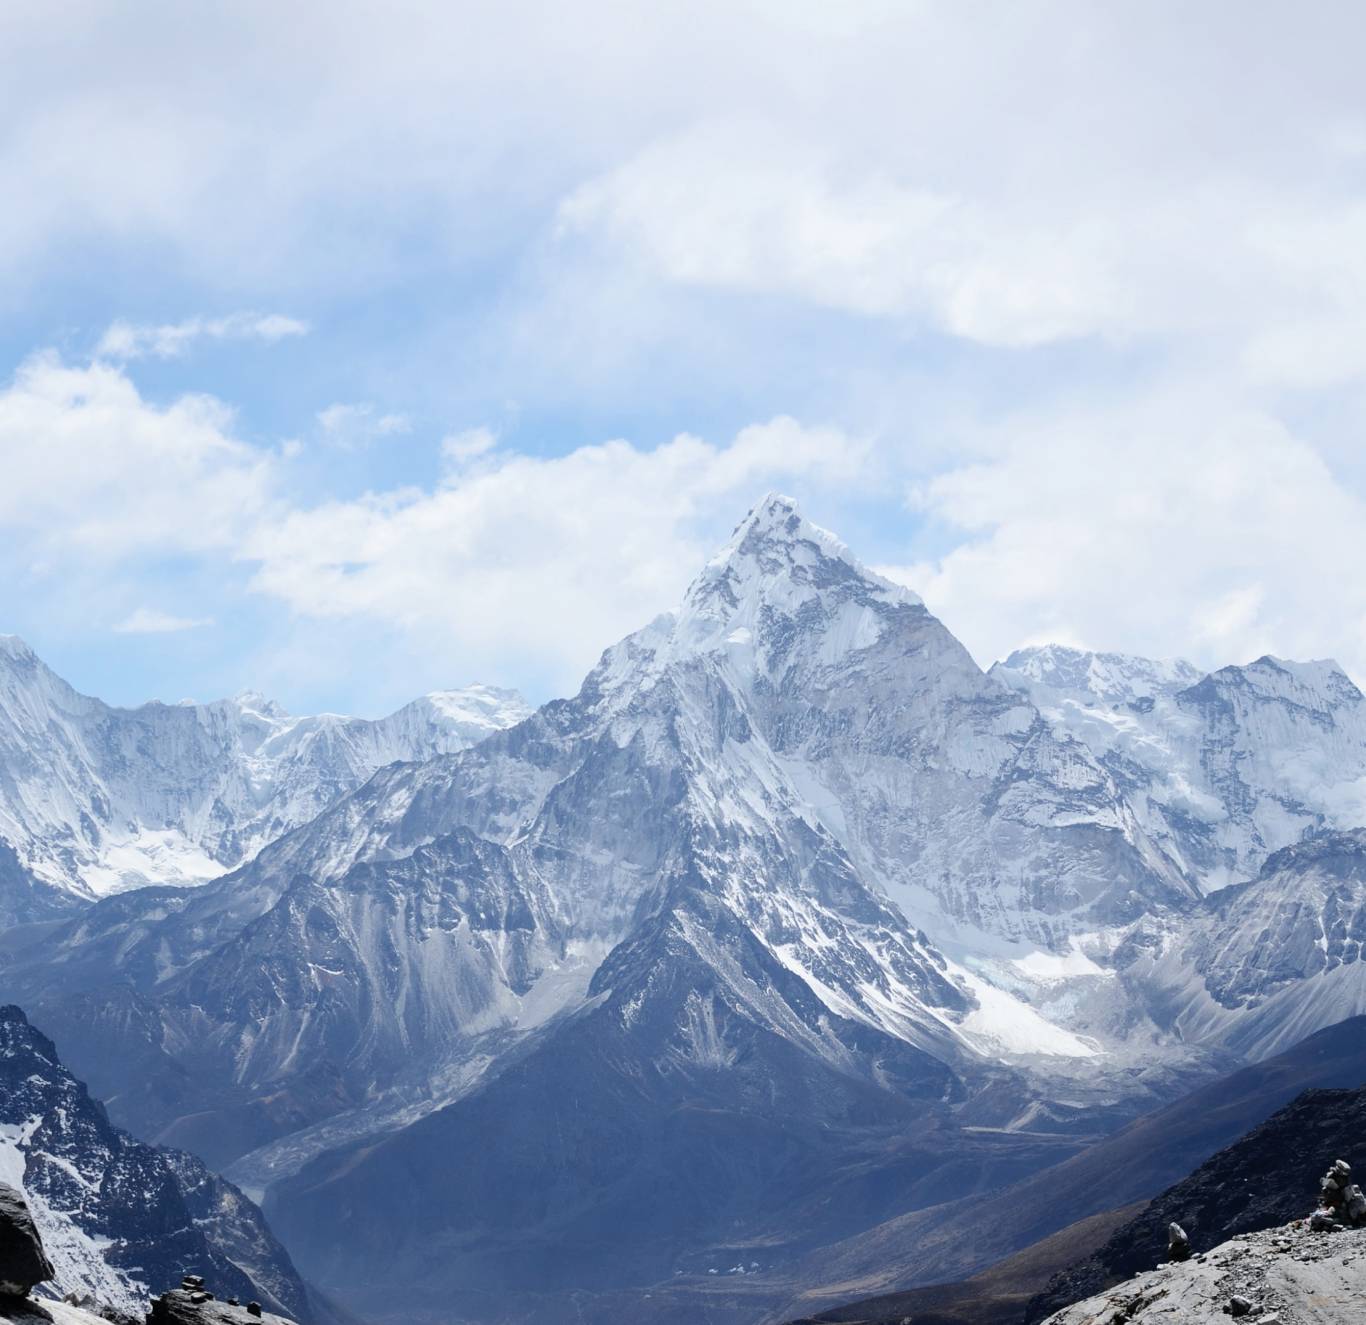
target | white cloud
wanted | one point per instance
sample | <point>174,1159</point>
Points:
<point>1277,286</point>
<point>512,563</point>
<point>745,207</point>
<point>153,621</point>
<point>543,559</point>
<point>93,472</point>
<point>355,425</point>
<point>460,448</point>
<point>127,340</point>
<point>1180,527</point>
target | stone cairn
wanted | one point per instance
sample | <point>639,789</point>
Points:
<point>1341,1203</point>
<point>185,1304</point>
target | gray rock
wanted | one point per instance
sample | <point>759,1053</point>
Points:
<point>1354,1202</point>
<point>1178,1244</point>
<point>1323,1221</point>
<point>23,1263</point>
<point>1340,1198</point>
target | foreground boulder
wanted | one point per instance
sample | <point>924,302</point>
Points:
<point>23,1263</point>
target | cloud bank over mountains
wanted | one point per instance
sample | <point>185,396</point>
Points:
<point>1061,317</point>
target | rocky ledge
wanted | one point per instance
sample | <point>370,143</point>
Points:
<point>1292,1275</point>
<point>193,1304</point>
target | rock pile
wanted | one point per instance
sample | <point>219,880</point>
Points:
<point>1341,1203</point>
<point>193,1304</point>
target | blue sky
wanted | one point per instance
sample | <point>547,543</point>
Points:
<point>351,351</point>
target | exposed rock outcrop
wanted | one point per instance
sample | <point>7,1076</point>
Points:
<point>193,1304</point>
<point>1280,1276</point>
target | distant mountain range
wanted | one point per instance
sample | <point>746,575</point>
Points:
<point>792,921</point>
<point>96,800</point>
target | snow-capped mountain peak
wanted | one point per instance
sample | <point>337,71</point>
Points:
<point>1219,769</point>
<point>780,588</point>
<point>777,557</point>
<point>1318,685</point>
<point>261,706</point>
<point>11,646</point>
<point>481,707</point>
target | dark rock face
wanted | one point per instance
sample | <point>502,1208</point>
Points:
<point>23,1263</point>
<point>236,1229</point>
<point>118,1218</point>
<point>1261,1181</point>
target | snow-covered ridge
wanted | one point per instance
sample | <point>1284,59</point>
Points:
<point>97,799</point>
<point>120,1220</point>
<point>1222,769</point>
<point>1060,671</point>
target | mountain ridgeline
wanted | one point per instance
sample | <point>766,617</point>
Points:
<point>96,799</point>
<point>120,1220</point>
<point>791,921</point>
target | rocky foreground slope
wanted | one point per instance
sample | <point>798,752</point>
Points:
<point>1265,1179</point>
<point>1281,1276</point>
